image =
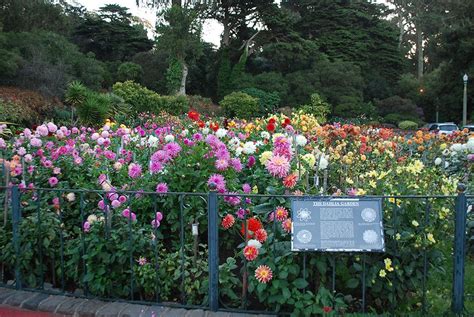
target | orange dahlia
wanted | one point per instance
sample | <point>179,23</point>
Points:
<point>286,225</point>
<point>263,274</point>
<point>290,180</point>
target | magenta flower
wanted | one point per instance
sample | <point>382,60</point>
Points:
<point>278,166</point>
<point>251,161</point>
<point>122,199</point>
<point>218,180</point>
<point>53,181</point>
<point>172,149</point>
<point>246,188</point>
<point>128,214</point>
<point>240,213</point>
<point>86,226</point>
<point>155,167</point>
<point>162,188</point>
<point>134,170</point>
<point>236,164</point>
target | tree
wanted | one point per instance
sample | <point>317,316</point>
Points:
<point>179,33</point>
<point>129,71</point>
<point>419,23</point>
<point>110,34</point>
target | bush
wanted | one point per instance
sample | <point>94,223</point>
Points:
<point>267,101</point>
<point>204,106</point>
<point>317,107</point>
<point>25,106</point>
<point>142,99</point>
<point>94,110</point>
<point>408,125</point>
<point>239,104</point>
<point>129,71</point>
<point>172,104</point>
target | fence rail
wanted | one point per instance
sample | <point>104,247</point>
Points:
<point>182,262</point>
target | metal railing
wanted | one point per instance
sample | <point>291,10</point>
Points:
<point>29,211</point>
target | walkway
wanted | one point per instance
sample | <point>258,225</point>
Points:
<point>15,303</point>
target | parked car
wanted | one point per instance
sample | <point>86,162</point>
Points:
<point>443,128</point>
<point>469,127</point>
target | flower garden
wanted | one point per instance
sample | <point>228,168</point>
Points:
<point>113,218</point>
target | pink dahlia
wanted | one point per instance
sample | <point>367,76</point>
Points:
<point>221,164</point>
<point>134,170</point>
<point>278,166</point>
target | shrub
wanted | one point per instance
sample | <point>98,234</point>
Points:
<point>94,110</point>
<point>140,98</point>
<point>129,71</point>
<point>204,106</point>
<point>317,107</point>
<point>408,125</point>
<point>25,106</point>
<point>267,101</point>
<point>239,104</point>
<point>171,104</point>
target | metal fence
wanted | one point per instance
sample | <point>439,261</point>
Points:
<point>47,246</point>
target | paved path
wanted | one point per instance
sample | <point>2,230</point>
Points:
<point>58,305</point>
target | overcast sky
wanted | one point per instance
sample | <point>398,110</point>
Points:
<point>211,29</point>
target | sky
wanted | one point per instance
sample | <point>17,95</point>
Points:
<point>211,28</point>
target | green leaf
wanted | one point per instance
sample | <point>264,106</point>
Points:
<point>352,283</point>
<point>300,283</point>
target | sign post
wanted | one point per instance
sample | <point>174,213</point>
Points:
<point>337,225</point>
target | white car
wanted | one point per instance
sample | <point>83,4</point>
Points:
<point>447,128</point>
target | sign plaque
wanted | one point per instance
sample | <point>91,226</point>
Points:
<point>337,224</point>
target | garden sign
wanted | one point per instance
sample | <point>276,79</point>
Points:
<point>337,225</point>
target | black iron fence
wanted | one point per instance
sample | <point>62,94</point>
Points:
<point>175,249</point>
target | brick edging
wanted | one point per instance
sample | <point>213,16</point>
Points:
<point>82,307</point>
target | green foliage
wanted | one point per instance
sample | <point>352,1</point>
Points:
<point>268,102</point>
<point>142,99</point>
<point>239,104</point>
<point>173,76</point>
<point>396,109</point>
<point>408,125</point>
<point>154,65</point>
<point>48,62</point>
<point>223,75</point>
<point>94,109</point>
<point>204,106</point>
<point>271,81</point>
<point>317,107</point>
<point>129,71</point>
<point>176,105</point>
<point>76,93</point>
<point>111,35</point>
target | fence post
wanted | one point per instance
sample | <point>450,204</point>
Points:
<point>213,238</point>
<point>459,251</point>
<point>16,216</point>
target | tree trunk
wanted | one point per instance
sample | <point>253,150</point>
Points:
<point>182,88</point>
<point>401,31</point>
<point>419,52</point>
<point>226,32</point>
